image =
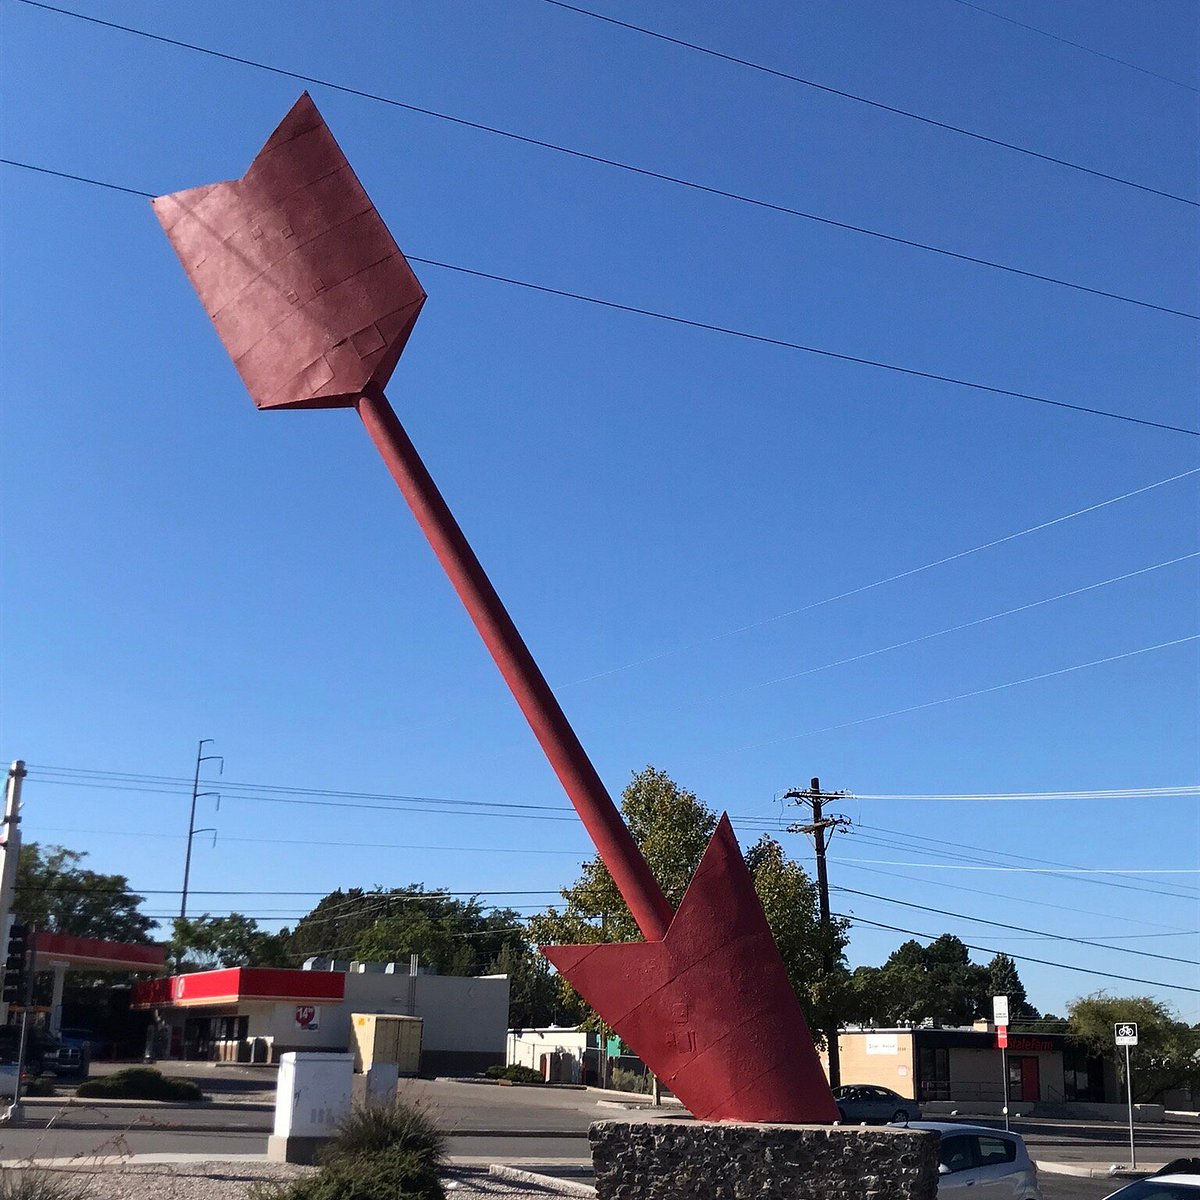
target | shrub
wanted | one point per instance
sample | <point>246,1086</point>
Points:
<point>140,1083</point>
<point>393,1174</point>
<point>32,1184</point>
<point>624,1080</point>
<point>515,1074</point>
<point>381,1152</point>
<point>395,1126</point>
<point>39,1085</point>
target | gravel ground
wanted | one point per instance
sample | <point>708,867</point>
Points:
<point>232,1180</point>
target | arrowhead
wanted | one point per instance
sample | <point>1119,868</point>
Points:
<point>306,286</point>
<point>710,1009</point>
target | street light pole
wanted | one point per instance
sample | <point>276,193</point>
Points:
<point>201,757</point>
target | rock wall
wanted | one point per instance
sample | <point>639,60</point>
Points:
<point>691,1160</point>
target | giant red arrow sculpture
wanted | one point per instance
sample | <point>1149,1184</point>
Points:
<point>314,303</point>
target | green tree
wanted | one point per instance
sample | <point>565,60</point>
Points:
<point>533,996</point>
<point>937,982</point>
<point>55,893</point>
<point>1003,980</point>
<point>1167,1055</point>
<point>673,828</point>
<point>792,906</point>
<point>448,934</point>
<point>202,943</point>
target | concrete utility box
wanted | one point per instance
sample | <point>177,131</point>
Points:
<point>312,1098</point>
<point>386,1038</point>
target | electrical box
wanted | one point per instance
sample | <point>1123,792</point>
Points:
<point>386,1038</point>
<point>313,1094</point>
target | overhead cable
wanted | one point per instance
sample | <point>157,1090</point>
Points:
<point>644,172</point>
<point>925,637</point>
<point>877,583</point>
<point>1124,62</point>
<point>1045,962</point>
<point>998,687</point>
<point>858,99</point>
<point>725,330</point>
<point>1060,937</point>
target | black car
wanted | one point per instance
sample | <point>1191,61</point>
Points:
<point>41,1049</point>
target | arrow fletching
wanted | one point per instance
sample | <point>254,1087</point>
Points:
<point>306,286</point>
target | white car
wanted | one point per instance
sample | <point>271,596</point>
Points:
<point>992,1163</point>
<point>1178,1180</point>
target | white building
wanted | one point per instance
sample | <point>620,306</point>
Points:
<point>255,1014</point>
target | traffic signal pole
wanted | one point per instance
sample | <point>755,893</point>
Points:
<point>10,854</point>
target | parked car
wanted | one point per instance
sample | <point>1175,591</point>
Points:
<point>74,1057</point>
<point>41,1048</point>
<point>1178,1180</point>
<point>993,1163</point>
<point>862,1102</point>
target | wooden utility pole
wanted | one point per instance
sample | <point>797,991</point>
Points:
<point>813,797</point>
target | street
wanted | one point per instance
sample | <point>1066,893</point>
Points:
<point>540,1129</point>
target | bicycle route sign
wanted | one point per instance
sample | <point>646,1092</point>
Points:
<point>1126,1033</point>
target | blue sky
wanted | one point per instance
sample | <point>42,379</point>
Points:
<point>649,499</point>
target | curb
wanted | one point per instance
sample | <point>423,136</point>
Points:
<point>1096,1171</point>
<point>100,1102</point>
<point>552,1183</point>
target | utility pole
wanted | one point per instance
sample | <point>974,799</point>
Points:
<point>814,798</point>
<point>201,757</point>
<point>10,854</point>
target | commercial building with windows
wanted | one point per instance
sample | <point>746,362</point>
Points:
<point>256,1014</point>
<point>934,1064</point>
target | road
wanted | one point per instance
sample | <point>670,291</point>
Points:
<point>530,1127</point>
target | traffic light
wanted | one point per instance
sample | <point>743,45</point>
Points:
<point>13,984</point>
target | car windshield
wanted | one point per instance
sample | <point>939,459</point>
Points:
<point>1152,1189</point>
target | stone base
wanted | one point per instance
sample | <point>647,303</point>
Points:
<point>302,1150</point>
<point>694,1160</point>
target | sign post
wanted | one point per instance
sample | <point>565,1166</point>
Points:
<point>1127,1035</point>
<point>1000,1020</point>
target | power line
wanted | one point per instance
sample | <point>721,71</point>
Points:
<point>942,866</point>
<point>1124,62</point>
<point>1060,937</point>
<point>895,578</point>
<point>1045,962</point>
<point>162,791</point>
<point>390,894</point>
<point>1008,612</point>
<point>1189,789</point>
<point>857,99</point>
<point>708,327</point>
<point>1170,930</point>
<point>228,786</point>
<point>1065,871</point>
<point>988,850</point>
<point>785,344</point>
<point>998,687</point>
<point>645,172</point>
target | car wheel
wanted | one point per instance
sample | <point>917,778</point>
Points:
<point>901,1114</point>
<point>841,1115</point>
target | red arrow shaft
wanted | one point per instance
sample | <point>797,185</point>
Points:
<point>618,851</point>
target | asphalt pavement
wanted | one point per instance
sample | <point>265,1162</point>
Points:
<point>541,1129</point>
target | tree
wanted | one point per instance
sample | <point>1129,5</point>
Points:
<point>792,906</point>
<point>56,894</point>
<point>1167,1055</point>
<point>533,996</point>
<point>673,828</point>
<point>202,943</point>
<point>450,935</point>
<point>1003,980</point>
<point>937,982</point>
